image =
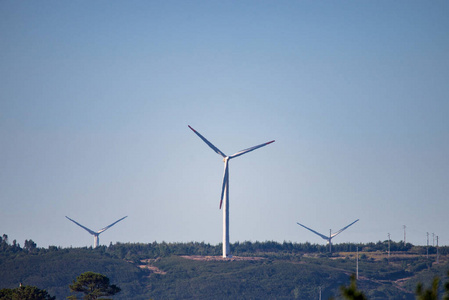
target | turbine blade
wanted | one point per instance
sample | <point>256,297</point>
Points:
<point>224,187</point>
<point>249,149</point>
<point>338,232</point>
<point>317,233</point>
<point>87,229</point>
<point>109,226</point>
<point>208,143</point>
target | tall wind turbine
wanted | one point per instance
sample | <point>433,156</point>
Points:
<point>225,187</point>
<point>331,235</point>
<point>96,234</point>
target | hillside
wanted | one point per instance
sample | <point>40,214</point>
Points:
<point>196,270</point>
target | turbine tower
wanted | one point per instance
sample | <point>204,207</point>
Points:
<point>225,187</point>
<point>96,234</point>
<point>331,235</point>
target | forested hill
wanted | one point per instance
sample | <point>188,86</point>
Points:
<point>195,270</point>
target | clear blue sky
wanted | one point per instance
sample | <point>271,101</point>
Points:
<point>95,99</point>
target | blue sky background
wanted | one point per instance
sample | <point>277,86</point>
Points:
<point>95,99</point>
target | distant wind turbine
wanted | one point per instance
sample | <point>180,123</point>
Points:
<point>331,235</point>
<point>96,234</point>
<point>225,187</point>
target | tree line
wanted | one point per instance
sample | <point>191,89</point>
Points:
<point>89,284</point>
<point>285,267</point>
<point>247,248</point>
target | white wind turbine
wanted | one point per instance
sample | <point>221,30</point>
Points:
<point>331,235</point>
<point>225,187</point>
<point>95,234</point>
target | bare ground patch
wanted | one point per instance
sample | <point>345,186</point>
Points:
<point>220,258</point>
<point>147,264</point>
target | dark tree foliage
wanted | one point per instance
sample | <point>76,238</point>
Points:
<point>428,294</point>
<point>432,293</point>
<point>25,293</point>
<point>93,286</point>
<point>351,292</point>
<point>29,245</point>
<point>446,288</point>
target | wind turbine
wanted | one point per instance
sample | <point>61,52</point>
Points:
<point>225,187</point>
<point>331,235</point>
<point>96,234</point>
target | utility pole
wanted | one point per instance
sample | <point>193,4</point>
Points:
<point>433,239</point>
<point>388,245</point>
<point>357,265</point>
<point>427,245</point>
<point>404,234</point>
<point>438,253</point>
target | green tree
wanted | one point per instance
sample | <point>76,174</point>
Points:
<point>446,287</point>
<point>432,293</point>
<point>25,293</point>
<point>428,294</point>
<point>29,245</point>
<point>351,292</point>
<point>93,286</point>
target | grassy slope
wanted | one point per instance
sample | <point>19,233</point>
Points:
<point>274,277</point>
<point>56,270</point>
<point>270,278</point>
<point>290,278</point>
